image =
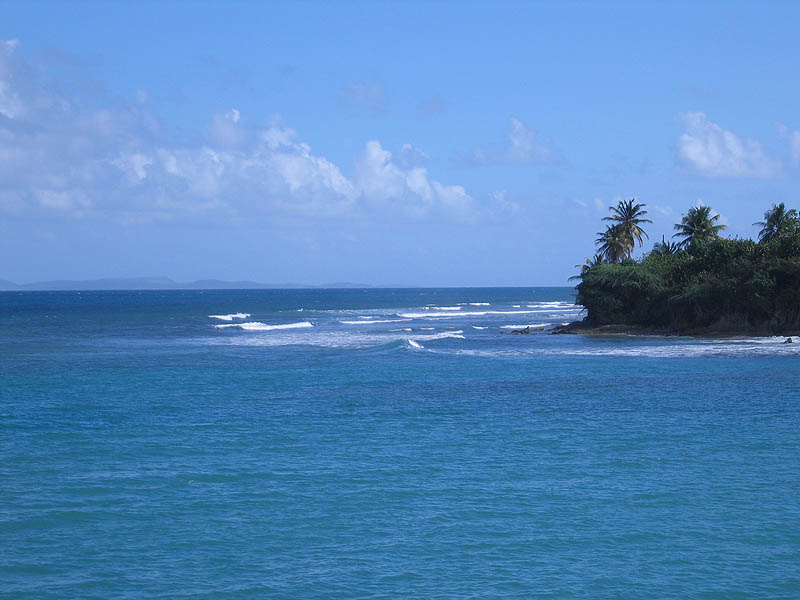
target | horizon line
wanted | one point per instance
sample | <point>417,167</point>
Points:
<point>210,284</point>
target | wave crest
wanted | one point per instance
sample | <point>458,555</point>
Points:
<point>258,326</point>
<point>230,317</point>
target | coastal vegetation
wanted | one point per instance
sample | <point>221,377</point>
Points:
<point>701,282</point>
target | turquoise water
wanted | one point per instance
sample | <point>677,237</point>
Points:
<point>389,443</point>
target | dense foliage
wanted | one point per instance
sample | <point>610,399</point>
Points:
<point>705,282</point>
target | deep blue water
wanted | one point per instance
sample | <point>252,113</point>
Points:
<point>147,453</point>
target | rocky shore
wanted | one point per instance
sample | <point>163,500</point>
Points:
<point>719,329</point>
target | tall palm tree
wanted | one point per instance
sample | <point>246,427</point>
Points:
<point>777,222</point>
<point>664,248</point>
<point>628,216</point>
<point>614,244</point>
<point>697,225</point>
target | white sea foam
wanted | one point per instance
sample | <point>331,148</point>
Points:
<point>230,317</point>
<point>373,321</point>
<point>258,326</point>
<point>524,326</point>
<point>471,313</point>
<point>458,334</point>
<point>430,307</point>
<point>633,348</point>
<point>476,327</point>
<point>427,328</point>
<point>414,344</point>
<point>556,304</point>
<point>479,303</point>
<point>351,338</point>
<point>515,306</point>
<point>403,329</point>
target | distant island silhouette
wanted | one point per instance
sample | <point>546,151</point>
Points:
<point>162,283</point>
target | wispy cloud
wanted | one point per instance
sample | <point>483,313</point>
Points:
<point>434,105</point>
<point>369,97</point>
<point>60,158</point>
<point>795,141</point>
<point>522,146</point>
<point>708,150</point>
<point>10,106</point>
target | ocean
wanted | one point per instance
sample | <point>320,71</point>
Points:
<point>387,443</point>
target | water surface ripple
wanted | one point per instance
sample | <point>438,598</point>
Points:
<point>148,453</point>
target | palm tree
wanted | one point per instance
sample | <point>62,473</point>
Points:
<point>697,225</point>
<point>614,244</point>
<point>777,222</point>
<point>597,259</point>
<point>628,216</point>
<point>588,263</point>
<point>664,248</point>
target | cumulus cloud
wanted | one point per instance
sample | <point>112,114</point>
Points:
<point>410,157</point>
<point>380,179</point>
<point>224,130</point>
<point>522,146</point>
<point>58,157</point>
<point>708,150</point>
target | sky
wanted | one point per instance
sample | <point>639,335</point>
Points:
<point>385,143</point>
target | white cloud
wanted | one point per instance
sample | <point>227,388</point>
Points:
<point>410,157</point>
<point>381,181</point>
<point>796,148</point>
<point>710,151</point>
<point>521,146</point>
<point>661,209</point>
<point>59,158</point>
<point>599,205</point>
<point>502,204</point>
<point>10,105</point>
<point>224,129</point>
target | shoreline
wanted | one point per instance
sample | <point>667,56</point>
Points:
<point>621,329</point>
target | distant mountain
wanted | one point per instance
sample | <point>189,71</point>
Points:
<point>160,283</point>
<point>8,285</point>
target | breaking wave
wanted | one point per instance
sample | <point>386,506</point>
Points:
<point>230,317</point>
<point>471,313</point>
<point>354,339</point>
<point>373,321</point>
<point>257,326</point>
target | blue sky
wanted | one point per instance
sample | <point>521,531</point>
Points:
<point>386,143</point>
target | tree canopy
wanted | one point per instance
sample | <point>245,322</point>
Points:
<point>701,282</point>
<point>777,222</point>
<point>619,240</point>
<point>698,225</point>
